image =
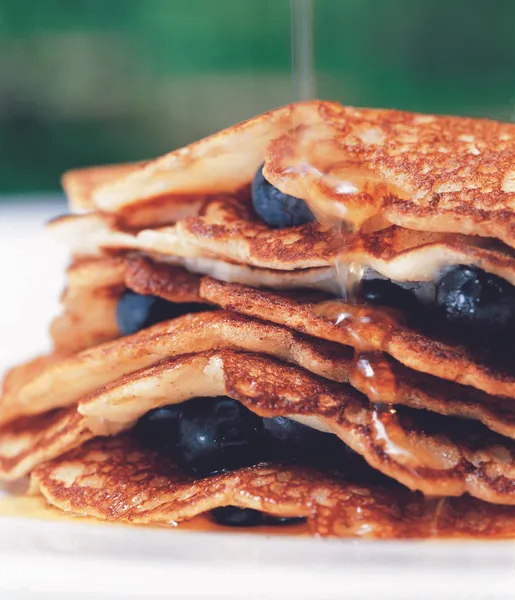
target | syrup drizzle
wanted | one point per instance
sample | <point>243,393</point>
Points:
<point>368,328</point>
<point>304,85</point>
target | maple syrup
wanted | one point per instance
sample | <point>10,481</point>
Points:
<point>304,85</point>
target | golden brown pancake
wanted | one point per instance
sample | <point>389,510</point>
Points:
<point>67,380</point>
<point>17,377</point>
<point>429,193</point>
<point>30,441</point>
<point>99,480</point>
<point>366,328</point>
<point>407,255</point>
<point>225,229</point>
<point>166,281</point>
<point>89,305</point>
<point>436,455</point>
<point>444,461</point>
<point>94,288</point>
<point>79,184</point>
<point>222,163</point>
<point>424,172</point>
<point>83,234</point>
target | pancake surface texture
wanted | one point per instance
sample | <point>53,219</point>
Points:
<point>115,479</point>
<point>367,329</point>
<point>361,328</point>
<point>425,172</point>
<point>425,452</point>
<point>30,441</point>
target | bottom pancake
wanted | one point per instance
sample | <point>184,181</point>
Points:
<point>29,441</point>
<point>117,480</point>
<point>436,455</point>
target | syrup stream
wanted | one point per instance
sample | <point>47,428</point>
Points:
<point>304,86</point>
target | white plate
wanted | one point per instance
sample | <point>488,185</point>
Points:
<point>46,559</point>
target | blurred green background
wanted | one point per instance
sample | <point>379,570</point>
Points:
<point>94,81</point>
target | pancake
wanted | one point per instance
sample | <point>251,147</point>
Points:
<point>449,462</point>
<point>86,233</point>
<point>89,305</point>
<point>222,163</point>
<point>30,441</point>
<point>16,378</point>
<point>395,195</point>
<point>79,184</point>
<point>225,229</point>
<point>407,255</point>
<point>99,480</point>
<point>423,172</point>
<point>436,455</point>
<point>67,380</point>
<point>369,329</point>
<point>94,288</point>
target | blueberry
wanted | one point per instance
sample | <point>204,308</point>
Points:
<point>387,293</point>
<point>290,440</point>
<point>158,428</point>
<point>233,516</point>
<point>479,301</point>
<point>217,435</point>
<point>276,209</point>
<point>135,312</point>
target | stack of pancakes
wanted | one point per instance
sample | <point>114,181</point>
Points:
<point>277,319</point>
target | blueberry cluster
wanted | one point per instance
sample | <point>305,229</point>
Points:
<point>215,435</point>
<point>478,306</point>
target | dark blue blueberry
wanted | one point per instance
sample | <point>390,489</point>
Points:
<point>217,435</point>
<point>290,440</point>
<point>477,300</point>
<point>387,293</point>
<point>276,209</point>
<point>158,428</point>
<point>233,516</point>
<point>135,312</point>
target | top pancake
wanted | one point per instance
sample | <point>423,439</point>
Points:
<point>79,184</point>
<point>424,172</point>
